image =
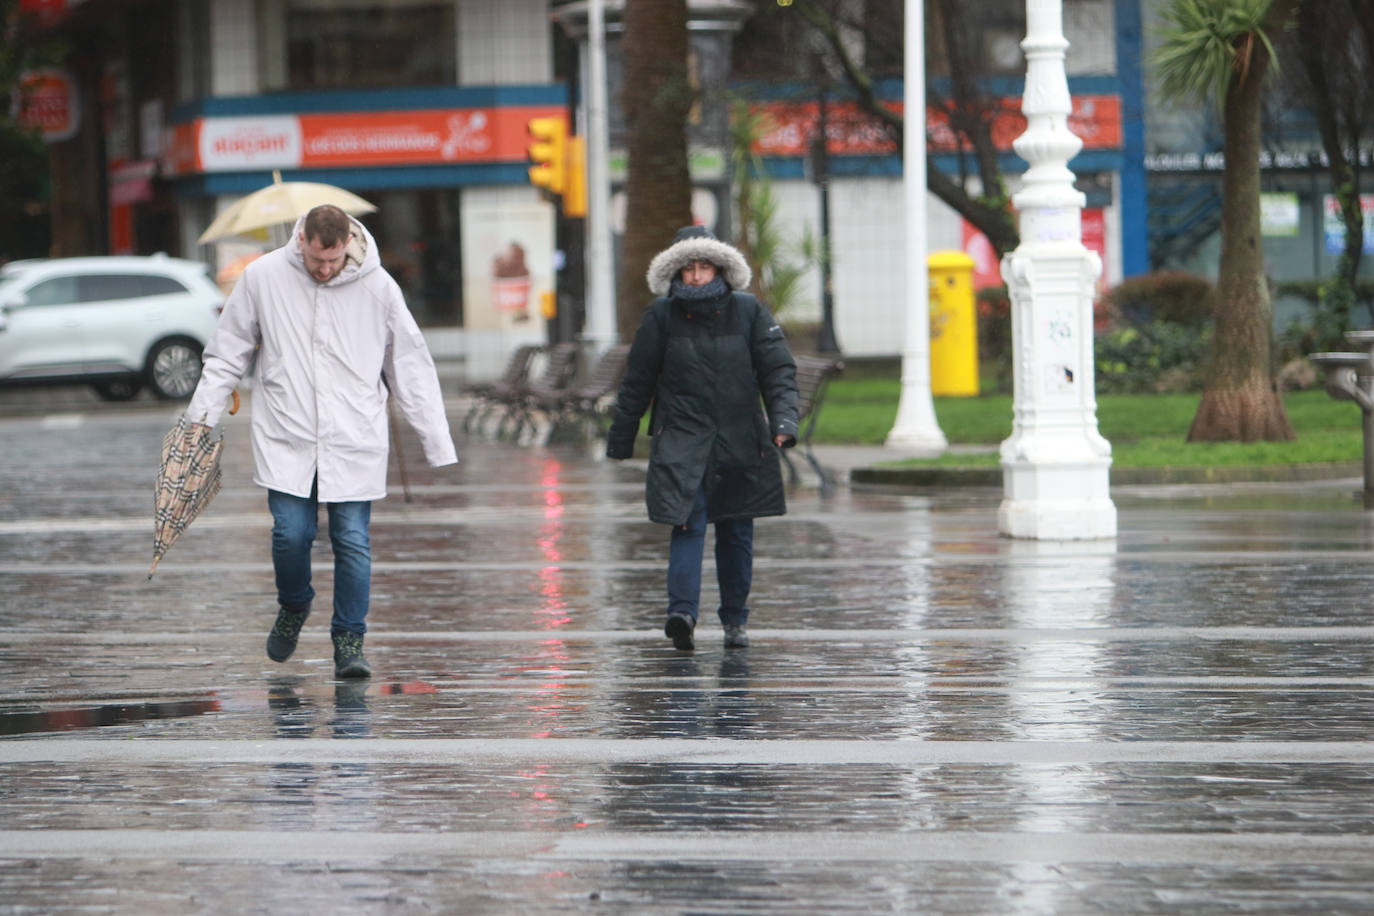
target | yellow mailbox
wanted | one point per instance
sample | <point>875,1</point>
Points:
<point>953,325</point>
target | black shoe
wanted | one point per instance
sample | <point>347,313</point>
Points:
<point>281,642</point>
<point>679,629</point>
<point>736,637</point>
<point>348,655</point>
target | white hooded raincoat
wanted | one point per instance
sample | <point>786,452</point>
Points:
<point>319,404</point>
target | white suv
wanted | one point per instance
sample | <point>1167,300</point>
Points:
<point>118,323</point>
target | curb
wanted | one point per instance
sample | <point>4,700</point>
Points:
<point>928,477</point>
<point>992,476</point>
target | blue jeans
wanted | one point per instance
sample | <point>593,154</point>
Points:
<point>294,522</point>
<point>734,565</point>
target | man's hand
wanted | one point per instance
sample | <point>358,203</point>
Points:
<point>782,440</point>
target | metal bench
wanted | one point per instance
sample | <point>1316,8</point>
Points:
<point>813,377</point>
<point>582,404</point>
<point>559,368</point>
<point>488,396</point>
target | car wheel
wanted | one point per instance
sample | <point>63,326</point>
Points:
<point>119,389</point>
<point>174,368</point>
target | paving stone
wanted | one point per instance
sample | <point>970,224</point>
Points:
<point>930,718</point>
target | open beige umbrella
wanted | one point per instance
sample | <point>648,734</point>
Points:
<point>280,202</point>
<point>188,479</point>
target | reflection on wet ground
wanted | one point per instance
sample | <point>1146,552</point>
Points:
<point>21,722</point>
<point>796,708</point>
<point>1221,644</point>
<point>1327,799</point>
<point>459,885</point>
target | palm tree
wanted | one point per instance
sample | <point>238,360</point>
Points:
<point>657,98</point>
<point>1221,49</point>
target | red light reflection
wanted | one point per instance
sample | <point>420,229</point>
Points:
<point>552,611</point>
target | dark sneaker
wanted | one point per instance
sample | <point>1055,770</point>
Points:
<point>736,637</point>
<point>281,642</point>
<point>348,655</point>
<point>679,629</point>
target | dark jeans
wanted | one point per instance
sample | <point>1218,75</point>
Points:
<point>734,565</point>
<point>294,523</point>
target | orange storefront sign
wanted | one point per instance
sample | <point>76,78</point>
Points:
<point>351,140</point>
<point>1095,119</point>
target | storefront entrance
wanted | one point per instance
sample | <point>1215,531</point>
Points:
<point>420,240</point>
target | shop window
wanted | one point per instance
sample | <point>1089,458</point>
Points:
<point>353,44</point>
<point>420,244</point>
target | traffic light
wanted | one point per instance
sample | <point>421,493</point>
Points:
<point>575,195</point>
<point>548,150</point>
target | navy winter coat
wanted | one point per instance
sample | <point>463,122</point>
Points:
<point>707,363</point>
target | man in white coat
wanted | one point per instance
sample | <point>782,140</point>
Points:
<point>331,333</point>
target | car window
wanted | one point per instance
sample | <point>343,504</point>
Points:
<point>53,291</point>
<point>158,285</point>
<point>104,287</point>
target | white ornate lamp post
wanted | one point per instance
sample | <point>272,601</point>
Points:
<point>1055,465</point>
<point>600,330</point>
<point>916,427</point>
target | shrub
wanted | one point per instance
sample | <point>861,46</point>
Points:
<point>1156,357</point>
<point>1157,335</point>
<point>993,307</point>
<point>1168,296</point>
<point>1327,321</point>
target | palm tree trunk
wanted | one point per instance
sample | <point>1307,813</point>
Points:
<point>1240,401</point>
<point>657,97</point>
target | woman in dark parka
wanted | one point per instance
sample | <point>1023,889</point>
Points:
<point>702,358</point>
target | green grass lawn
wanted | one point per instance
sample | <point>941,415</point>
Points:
<point>1144,430</point>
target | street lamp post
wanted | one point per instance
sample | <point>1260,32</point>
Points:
<point>600,331</point>
<point>1055,464</point>
<point>825,338</point>
<point>915,428</point>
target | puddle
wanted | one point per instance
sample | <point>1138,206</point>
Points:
<point>27,722</point>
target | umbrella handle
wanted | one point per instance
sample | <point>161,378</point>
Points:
<point>235,409</point>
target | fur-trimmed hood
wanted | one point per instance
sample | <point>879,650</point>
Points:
<point>697,243</point>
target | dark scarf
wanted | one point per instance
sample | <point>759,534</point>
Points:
<point>716,289</point>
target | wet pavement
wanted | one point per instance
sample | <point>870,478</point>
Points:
<point>930,719</point>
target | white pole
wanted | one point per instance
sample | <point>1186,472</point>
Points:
<point>1055,464</point>
<point>916,428</point>
<point>600,329</point>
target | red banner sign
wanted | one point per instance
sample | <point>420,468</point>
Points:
<point>850,131</point>
<point>47,12</point>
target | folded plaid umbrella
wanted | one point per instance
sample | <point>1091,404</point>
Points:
<point>188,480</point>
